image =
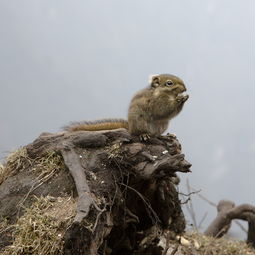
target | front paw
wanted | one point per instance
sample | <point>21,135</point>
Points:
<point>168,137</point>
<point>171,135</point>
<point>144,137</point>
<point>182,98</point>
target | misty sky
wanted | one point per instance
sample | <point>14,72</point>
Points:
<point>62,61</point>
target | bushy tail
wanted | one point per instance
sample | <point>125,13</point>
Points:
<point>96,125</point>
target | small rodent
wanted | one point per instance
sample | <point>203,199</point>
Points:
<point>150,110</point>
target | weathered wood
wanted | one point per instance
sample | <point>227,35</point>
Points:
<point>125,189</point>
<point>83,139</point>
<point>227,211</point>
<point>221,224</point>
<point>84,195</point>
<point>167,165</point>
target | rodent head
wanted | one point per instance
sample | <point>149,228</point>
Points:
<point>167,83</point>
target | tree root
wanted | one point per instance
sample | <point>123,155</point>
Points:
<point>227,211</point>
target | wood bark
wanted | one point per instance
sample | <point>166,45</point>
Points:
<point>126,189</point>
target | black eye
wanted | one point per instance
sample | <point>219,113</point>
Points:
<point>169,83</point>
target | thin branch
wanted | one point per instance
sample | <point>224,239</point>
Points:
<point>215,205</point>
<point>189,194</point>
<point>190,207</point>
<point>145,202</point>
<point>202,220</point>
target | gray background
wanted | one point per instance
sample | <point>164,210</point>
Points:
<point>73,60</point>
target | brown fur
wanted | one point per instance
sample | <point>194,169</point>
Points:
<point>150,110</point>
<point>105,124</point>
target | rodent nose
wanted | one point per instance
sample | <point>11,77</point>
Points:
<point>183,88</point>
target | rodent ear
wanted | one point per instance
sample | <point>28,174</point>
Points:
<point>154,80</point>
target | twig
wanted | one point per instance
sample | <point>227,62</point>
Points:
<point>215,205</point>
<point>189,194</point>
<point>98,216</point>
<point>39,181</point>
<point>205,199</point>
<point>185,201</point>
<point>202,220</point>
<point>156,219</point>
<point>190,207</point>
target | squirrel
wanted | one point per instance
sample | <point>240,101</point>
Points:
<point>149,112</point>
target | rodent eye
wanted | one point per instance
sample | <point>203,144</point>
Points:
<point>169,83</point>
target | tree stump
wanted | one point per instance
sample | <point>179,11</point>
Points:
<point>125,190</point>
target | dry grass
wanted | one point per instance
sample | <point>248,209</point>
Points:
<point>1,169</point>
<point>48,165</point>
<point>4,226</point>
<point>41,229</point>
<point>114,150</point>
<point>45,166</point>
<point>215,246</point>
<point>16,161</point>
